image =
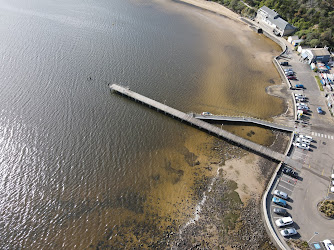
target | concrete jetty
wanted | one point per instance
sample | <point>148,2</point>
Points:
<point>251,146</point>
<point>222,118</point>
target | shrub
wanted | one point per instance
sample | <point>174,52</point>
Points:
<point>327,207</point>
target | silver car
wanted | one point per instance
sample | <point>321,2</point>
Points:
<point>288,232</point>
<point>281,194</point>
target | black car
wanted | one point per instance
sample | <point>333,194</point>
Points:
<point>290,172</point>
<point>284,63</point>
<point>280,211</point>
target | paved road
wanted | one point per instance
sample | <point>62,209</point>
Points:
<point>318,163</point>
<point>313,185</point>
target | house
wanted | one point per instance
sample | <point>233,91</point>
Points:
<point>317,55</point>
<point>272,19</point>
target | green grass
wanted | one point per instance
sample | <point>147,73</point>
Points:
<point>230,219</point>
<point>319,83</point>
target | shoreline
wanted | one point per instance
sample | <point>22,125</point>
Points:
<point>213,7</point>
<point>195,233</point>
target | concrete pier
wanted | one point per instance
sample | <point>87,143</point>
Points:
<point>250,146</point>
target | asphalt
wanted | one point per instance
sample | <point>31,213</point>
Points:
<point>312,187</point>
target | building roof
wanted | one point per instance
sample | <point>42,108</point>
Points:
<point>270,12</point>
<point>320,52</point>
<point>275,18</point>
<point>281,23</point>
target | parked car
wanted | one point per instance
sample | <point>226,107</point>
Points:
<point>288,232</point>
<point>292,77</point>
<point>289,73</point>
<point>301,140</point>
<point>284,63</point>
<point>206,113</point>
<point>299,86</point>
<point>319,110</point>
<point>306,137</point>
<point>302,146</point>
<point>332,176</point>
<point>285,221</point>
<point>280,211</point>
<point>281,194</point>
<point>328,245</point>
<point>290,172</point>
<point>279,201</point>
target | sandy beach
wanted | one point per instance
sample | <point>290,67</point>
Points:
<point>232,221</point>
<point>214,7</point>
<point>207,192</point>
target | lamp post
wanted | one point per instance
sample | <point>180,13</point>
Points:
<point>315,233</point>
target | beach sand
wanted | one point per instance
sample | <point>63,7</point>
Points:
<point>214,7</point>
<point>233,180</point>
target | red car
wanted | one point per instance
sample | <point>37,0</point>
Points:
<point>292,77</point>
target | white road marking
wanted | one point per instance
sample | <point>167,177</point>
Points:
<point>332,137</point>
<point>326,136</point>
<point>275,218</point>
<point>322,135</point>
<point>286,188</point>
<point>312,133</point>
<point>288,184</point>
<point>300,152</point>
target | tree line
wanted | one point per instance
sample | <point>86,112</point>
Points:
<point>314,19</point>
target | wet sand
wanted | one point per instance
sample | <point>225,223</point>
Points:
<point>184,174</point>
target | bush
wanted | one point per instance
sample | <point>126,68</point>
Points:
<point>327,207</point>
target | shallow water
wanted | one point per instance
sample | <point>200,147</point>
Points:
<point>83,167</point>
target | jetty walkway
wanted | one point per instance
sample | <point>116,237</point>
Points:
<point>251,146</point>
<point>241,119</point>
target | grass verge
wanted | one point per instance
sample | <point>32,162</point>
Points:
<point>319,83</point>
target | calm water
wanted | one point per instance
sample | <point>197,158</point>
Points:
<point>81,166</point>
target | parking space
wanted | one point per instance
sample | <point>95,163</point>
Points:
<point>301,155</point>
<point>314,183</point>
<point>318,245</point>
<point>287,185</point>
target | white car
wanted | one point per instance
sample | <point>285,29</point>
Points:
<point>281,194</point>
<point>328,245</point>
<point>332,176</point>
<point>302,146</point>
<point>306,137</point>
<point>288,232</point>
<point>299,95</point>
<point>300,140</point>
<point>282,222</point>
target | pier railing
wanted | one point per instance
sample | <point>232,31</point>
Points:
<point>249,145</point>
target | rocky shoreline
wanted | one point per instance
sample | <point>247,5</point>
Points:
<point>225,221</point>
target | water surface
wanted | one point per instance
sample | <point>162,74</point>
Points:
<point>83,167</point>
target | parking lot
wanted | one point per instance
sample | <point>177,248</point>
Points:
<point>313,185</point>
<point>287,185</point>
<point>318,245</point>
